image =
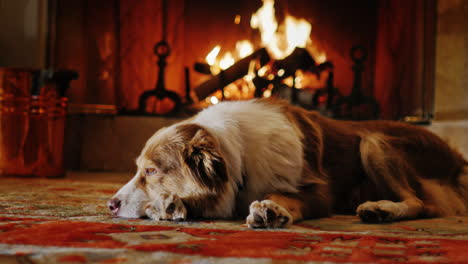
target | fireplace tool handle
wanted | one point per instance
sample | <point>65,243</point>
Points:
<point>357,106</point>
<point>162,50</point>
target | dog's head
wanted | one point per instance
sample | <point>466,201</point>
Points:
<point>183,159</point>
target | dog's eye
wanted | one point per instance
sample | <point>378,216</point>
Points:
<point>150,171</point>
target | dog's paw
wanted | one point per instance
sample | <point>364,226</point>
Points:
<point>167,206</point>
<point>381,211</point>
<point>268,214</point>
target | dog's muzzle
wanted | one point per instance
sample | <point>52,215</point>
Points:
<point>114,205</point>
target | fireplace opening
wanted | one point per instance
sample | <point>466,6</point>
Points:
<point>359,60</point>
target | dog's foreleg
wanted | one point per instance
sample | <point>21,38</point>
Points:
<point>281,210</point>
<point>387,211</point>
<point>268,214</point>
<point>166,206</point>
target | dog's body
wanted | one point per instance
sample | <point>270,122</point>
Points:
<point>289,164</point>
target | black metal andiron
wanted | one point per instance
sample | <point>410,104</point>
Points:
<point>162,50</point>
<point>357,106</point>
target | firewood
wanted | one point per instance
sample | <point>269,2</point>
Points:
<point>233,73</point>
<point>299,59</point>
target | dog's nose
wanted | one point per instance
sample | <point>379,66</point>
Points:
<point>114,205</point>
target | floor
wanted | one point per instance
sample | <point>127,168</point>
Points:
<point>67,221</point>
<point>110,177</point>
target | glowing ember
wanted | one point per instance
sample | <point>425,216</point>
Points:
<point>262,71</point>
<point>280,72</point>
<point>214,100</point>
<point>237,19</point>
<point>211,57</point>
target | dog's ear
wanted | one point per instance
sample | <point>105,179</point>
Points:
<point>205,161</point>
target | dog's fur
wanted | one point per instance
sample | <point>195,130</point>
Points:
<point>290,164</point>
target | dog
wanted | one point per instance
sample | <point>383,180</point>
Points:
<point>276,164</point>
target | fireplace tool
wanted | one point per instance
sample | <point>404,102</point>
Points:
<point>357,106</point>
<point>325,98</point>
<point>162,50</point>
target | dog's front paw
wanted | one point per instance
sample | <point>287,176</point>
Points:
<point>381,211</point>
<point>167,206</point>
<point>268,214</point>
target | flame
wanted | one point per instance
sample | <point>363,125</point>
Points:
<point>226,61</point>
<point>211,57</point>
<point>297,32</point>
<point>265,21</point>
<point>244,48</point>
<point>280,40</point>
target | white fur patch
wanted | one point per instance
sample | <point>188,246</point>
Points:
<point>257,140</point>
<point>133,200</point>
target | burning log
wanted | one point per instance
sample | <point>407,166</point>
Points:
<point>233,73</point>
<point>299,59</point>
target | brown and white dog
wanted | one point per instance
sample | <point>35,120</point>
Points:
<point>290,164</point>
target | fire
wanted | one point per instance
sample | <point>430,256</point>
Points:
<point>280,40</point>
<point>265,21</point>
<point>244,48</point>
<point>297,32</point>
<point>226,61</point>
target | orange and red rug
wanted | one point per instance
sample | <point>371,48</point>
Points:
<point>64,221</point>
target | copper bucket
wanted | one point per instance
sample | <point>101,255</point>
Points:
<point>31,127</point>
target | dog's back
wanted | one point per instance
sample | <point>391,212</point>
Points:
<point>388,160</point>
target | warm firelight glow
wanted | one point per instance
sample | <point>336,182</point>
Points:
<point>321,58</point>
<point>226,61</point>
<point>211,57</point>
<point>244,48</point>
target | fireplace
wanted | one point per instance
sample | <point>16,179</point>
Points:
<point>111,44</point>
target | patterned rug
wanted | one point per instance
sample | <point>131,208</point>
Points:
<point>64,221</point>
